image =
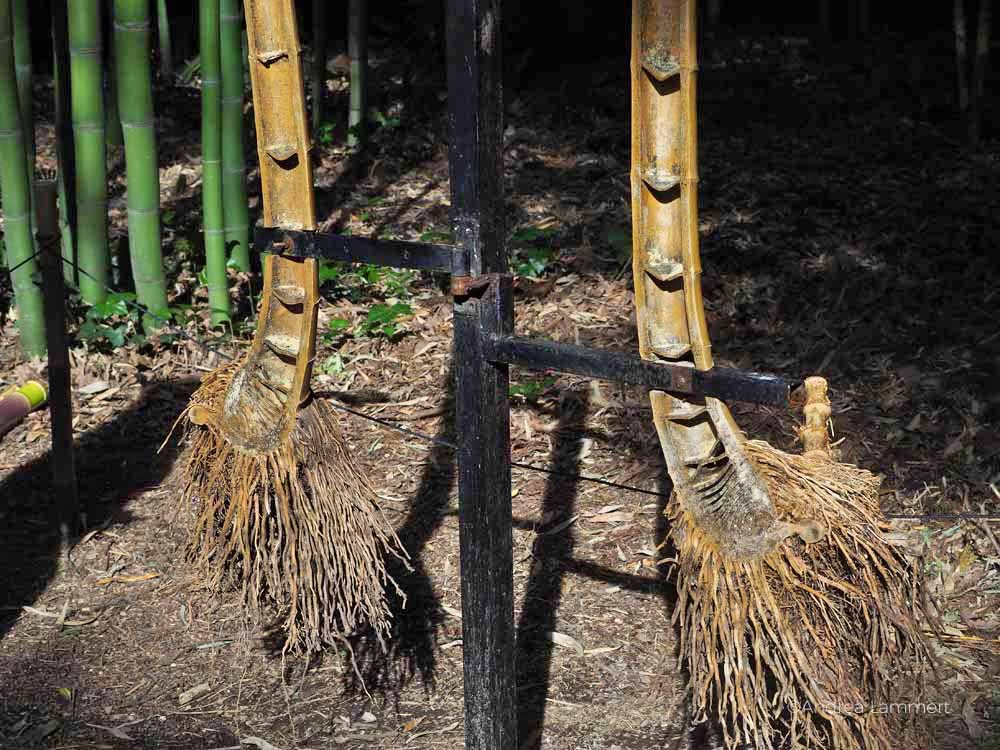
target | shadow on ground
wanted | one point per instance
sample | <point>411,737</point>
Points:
<point>113,463</point>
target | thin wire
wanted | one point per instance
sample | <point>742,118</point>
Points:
<point>146,311</point>
<point>25,261</point>
<point>626,487</point>
<point>392,426</point>
<point>452,446</point>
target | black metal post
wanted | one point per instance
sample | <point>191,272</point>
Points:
<point>483,308</point>
<point>64,488</point>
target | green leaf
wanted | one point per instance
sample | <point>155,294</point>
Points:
<point>88,330</point>
<point>338,324</point>
<point>530,390</point>
<point>436,237</point>
<point>533,262</point>
<point>325,132</point>
<point>330,271</point>
<point>191,68</point>
<point>333,365</point>
<point>115,304</point>
<point>620,238</point>
<point>531,235</point>
<point>116,335</point>
<point>381,319</point>
<point>384,121</point>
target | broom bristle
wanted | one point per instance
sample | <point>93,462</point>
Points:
<point>298,527</point>
<point>801,646</point>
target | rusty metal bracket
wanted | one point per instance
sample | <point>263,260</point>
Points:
<point>463,287</point>
<point>420,256</point>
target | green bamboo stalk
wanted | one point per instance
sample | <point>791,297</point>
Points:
<point>983,29</point>
<point>16,188</point>
<point>163,36</point>
<point>87,97</point>
<point>234,186</point>
<point>112,119</point>
<point>135,103</point>
<point>318,82</point>
<point>357,49</point>
<point>211,160</point>
<point>961,54</point>
<point>64,139</point>
<point>23,68</point>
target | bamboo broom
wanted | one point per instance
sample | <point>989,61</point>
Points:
<point>792,602</point>
<point>283,508</point>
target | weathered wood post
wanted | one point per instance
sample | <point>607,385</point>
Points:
<point>483,308</point>
<point>64,489</point>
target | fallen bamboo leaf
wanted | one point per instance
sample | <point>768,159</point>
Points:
<point>559,527</point>
<point>259,743</point>
<point>213,644</point>
<point>566,641</point>
<point>190,694</point>
<point>601,650</point>
<point>448,728</point>
<point>55,616</point>
<point>620,516</point>
<point>126,579</point>
<point>413,724</point>
<point>96,387</point>
<point>114,731</point>
<point>972,722</point>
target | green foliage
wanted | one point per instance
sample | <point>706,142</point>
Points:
<point>336,328</point>
<point>531,390</point>
<point>112,323</point>
<point>620,238</point>
<point>385,121</point>
<point>532,251</point>
<point>332,365</point>
<point>325,133</point>
<point>191,69</point>
<point>383,320</point>
<point>397,281</point>
<point>330,270</point>
<point>437,237</point>
<point>365,280</point>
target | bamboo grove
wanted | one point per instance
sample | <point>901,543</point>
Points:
<point>105,58</point>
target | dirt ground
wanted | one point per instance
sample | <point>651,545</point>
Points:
<point>845,231</point>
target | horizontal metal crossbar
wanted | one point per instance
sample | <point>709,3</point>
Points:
<point>724,383</point>
<point>420,256</point>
